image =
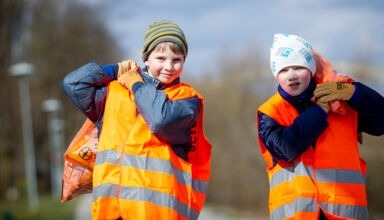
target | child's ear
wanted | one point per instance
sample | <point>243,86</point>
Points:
<point>146,62</point>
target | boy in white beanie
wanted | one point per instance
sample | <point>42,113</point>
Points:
<point>314,167</point>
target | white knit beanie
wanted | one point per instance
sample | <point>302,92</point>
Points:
<point>291,50</point>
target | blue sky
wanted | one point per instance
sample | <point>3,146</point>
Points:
<point>341,30</point>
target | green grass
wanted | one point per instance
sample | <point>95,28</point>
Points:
<point>48,209</point>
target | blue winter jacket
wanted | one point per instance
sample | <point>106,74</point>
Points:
<point>285,143</point>
<point>169,120</point>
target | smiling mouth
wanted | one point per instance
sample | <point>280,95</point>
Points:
<point>167,74</point>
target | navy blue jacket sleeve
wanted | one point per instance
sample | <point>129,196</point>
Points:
<point>370,107</point>
<point>169,120</point>
<point>111,70</point>
<point>287,142</point>
<point>87,87</point>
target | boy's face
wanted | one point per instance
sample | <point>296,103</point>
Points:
<point>165,65</point>
<point>294,79</point>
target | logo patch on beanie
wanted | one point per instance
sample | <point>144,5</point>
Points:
<point>307,55</point>
<point>284,51</point>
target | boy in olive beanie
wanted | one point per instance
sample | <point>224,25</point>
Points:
<point>153,159</point>
<point>163,31</point>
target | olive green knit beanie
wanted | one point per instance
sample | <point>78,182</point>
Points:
<point>163,31</point>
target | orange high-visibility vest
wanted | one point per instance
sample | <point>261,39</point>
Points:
<point>330,176</point>
<point>137,176</point>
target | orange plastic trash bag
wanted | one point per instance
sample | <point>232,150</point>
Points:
<point>326,73</point>
<point>79,160</point>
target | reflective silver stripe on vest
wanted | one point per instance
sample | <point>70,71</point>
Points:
<point>143,194</point>
<point>339,176</point>
<point>299,205</point>
<point>322,175</point>
<point>346,211</point>
<point>152,164</point>
<point>289,173</point>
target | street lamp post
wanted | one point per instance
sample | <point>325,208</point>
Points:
<point>22,71</point>
<point>56,140</point>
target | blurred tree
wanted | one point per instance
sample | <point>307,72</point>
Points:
<point>63,36</point>
<point>10,16</point>
<point>232,96</point>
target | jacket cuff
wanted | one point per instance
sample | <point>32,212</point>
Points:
<point>356,95</point>
<point>111,70</point>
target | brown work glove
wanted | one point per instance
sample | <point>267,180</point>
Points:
<point>128,74</point>
<point>323,103</point>
<point>330,91</point>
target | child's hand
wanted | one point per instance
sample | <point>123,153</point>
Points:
<point>128,74</point>
<point>126,66</point>
<point>334,91</point>
<point>128,79</point>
